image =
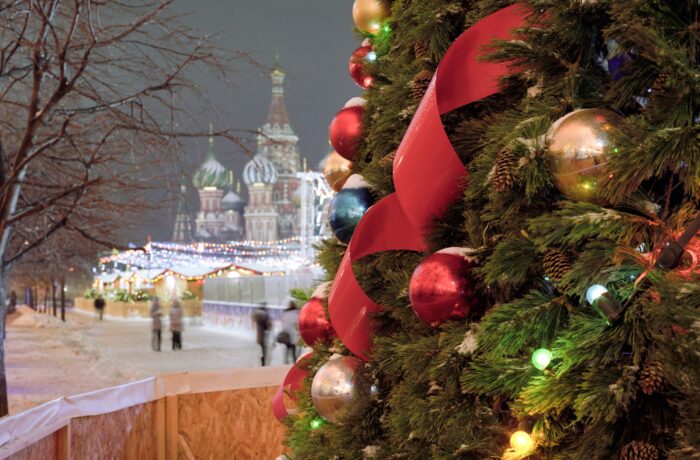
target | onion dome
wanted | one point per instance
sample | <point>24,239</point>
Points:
<point>211,173</point>
<point>259,170</point>
<point>232,202</point>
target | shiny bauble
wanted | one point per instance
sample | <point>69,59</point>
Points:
<point>368,15</point>
<point>356,101</point>
<point>314,326</point>
<point>359,61</point>
<point>580,145</point>
<point>336,170</point>
<point>442,288</point>
<point>615,59</point>
<point>345,131</point>
<point>334,387</point>
<point>348,206</point>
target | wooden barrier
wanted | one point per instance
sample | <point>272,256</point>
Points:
<point>138,309</point>
<point>203,415</point>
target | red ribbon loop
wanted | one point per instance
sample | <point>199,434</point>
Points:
<point>428,174</point>
<point>292,383</point>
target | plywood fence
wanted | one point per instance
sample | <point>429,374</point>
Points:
<point>202,415</point>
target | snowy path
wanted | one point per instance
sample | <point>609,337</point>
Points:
<point>47,359</point>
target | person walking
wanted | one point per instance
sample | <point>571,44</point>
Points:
<point>261,317</point>
<point>289,335</point>
<point>13,302</point>
<point>156,324</point>
<point>176,324</point>
<point>100,305</point>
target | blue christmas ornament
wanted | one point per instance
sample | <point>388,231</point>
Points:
<point>348,206</point>
<point>614,59</point>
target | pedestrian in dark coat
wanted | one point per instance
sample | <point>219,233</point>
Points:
<point>261,317</point>
<point>156,324</point>
<point>176,324</point>
<point>100,306</point>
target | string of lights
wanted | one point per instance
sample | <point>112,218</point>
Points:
<point>198,261</point>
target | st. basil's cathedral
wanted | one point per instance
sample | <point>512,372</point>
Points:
<point>272,211</point>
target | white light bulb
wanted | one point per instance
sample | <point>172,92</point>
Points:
<point>595,292</point>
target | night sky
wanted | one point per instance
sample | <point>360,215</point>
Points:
<point>315,39</point>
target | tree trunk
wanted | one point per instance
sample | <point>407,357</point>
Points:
<point>63,299</point>
<point>4,405</point>
<point>53,296</point>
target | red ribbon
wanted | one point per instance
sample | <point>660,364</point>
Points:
<point>291,384</point>
<point>428,174</point>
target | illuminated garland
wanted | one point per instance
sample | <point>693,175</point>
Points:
<point>221,258</point>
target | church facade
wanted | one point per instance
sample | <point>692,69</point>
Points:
<point>270,177</point>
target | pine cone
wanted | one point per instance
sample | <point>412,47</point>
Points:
<point>556,265</point>
<point>638,450</point>
<point>420,84</point>
<point>420,50</point>
<point>388,160</point>
<point>651,378</point>
<point>503,171</point>
<point>660,82</point>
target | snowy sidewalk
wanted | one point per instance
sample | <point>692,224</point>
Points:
<point>46,358</point>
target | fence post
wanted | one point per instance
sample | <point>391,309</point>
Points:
<point>160,429</point>
<point>63,443</point>
<point>171,427</point>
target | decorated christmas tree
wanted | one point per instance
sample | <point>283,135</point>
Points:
<point>515,273</point>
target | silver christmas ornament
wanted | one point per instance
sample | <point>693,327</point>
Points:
<point>334,387</point>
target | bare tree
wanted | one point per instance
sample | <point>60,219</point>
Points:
<point>91,96</point>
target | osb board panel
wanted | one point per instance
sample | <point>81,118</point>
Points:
<point>232,425</point>
<point>125,434</point>
<point>44,449</point>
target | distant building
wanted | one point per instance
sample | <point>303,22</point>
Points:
<point>271,179</point>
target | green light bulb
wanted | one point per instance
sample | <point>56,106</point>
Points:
<point>316,423</point>
<point>541,358</point>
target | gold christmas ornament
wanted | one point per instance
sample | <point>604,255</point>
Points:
<point>336,170</point>
<point>580,145</point>
<point>368,15</point>
<point>334,387</point>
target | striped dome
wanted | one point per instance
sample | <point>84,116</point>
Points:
<point>210,174</point>
<point>259,170</point>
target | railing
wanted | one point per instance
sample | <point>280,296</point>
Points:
<point>138,309</point>
<point>222,414</point>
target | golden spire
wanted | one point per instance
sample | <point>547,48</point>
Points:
<point>211,134</point>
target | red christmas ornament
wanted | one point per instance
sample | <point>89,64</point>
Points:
<point>313,324</point>
<point>345,131</point>
<point>442,289</point>
<point>358,62</point>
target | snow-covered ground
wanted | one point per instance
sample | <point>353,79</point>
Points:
<point>47,358</point>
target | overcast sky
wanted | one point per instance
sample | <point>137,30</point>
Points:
<point>314,38</point>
